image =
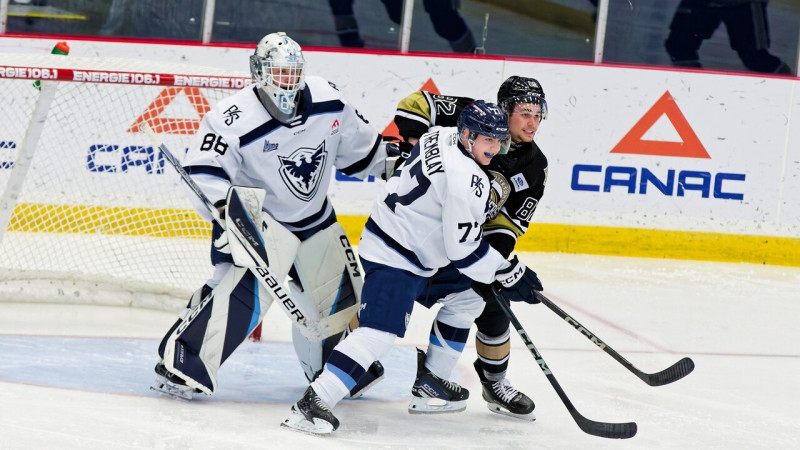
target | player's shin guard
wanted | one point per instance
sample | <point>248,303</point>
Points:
<point>445,347</point>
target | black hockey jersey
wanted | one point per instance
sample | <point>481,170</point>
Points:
<point>523,169</point>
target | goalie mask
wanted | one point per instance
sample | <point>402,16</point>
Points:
<point>518,89</point>
<point>277,67</point>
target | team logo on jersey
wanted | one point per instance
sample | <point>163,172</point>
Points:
<point>302,171</point>
<point>335,127</point>
<point>477,185</point>
<point>269,146</point>
<point>519,182</point>
<point>231,114</point>
<point>498,194</point>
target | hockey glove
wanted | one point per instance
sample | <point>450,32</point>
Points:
<point>396,153</point>
<point>518,283</point>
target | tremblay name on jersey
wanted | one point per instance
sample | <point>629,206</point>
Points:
<point>433,157</point>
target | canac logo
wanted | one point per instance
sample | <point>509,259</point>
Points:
<point>667,181</point>
<point>335,127</point>
<point>689,146</point>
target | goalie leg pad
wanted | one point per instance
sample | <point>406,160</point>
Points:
<point>331,283</point>
<point>330,276</point>
<point>215,328</point>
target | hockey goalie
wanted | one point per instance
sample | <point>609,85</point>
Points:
<point>264,157</point>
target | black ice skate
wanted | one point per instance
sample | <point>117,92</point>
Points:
<point>434,395</point>
<point>170,384</point>
<point>311,415</point>
<point>502,398</point>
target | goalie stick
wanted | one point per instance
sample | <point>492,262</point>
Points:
<point>600,429</point>
<point>672,373</point>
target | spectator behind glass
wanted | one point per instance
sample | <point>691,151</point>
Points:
<point>748,32</point>
<point>446,20</point>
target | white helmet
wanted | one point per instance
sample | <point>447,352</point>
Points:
<point>277,68</point>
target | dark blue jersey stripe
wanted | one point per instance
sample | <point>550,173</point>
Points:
<point>207,170</point>
<point>394,245</point>
<point>473,257</point>
<point>359,166</point>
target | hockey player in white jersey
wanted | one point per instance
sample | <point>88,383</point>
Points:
<point>282,136</point>
<point>419,237</point>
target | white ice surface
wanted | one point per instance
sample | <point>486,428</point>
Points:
<point>77,377</point>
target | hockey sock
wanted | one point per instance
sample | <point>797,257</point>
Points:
<point>493,354</point>
<point>446,344</point>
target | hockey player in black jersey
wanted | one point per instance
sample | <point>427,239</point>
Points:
<point>521,175</point>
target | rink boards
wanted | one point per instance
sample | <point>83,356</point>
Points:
<point>643,162</point>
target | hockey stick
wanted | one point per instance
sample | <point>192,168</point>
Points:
<point>672,373</point>
<point>600,429</point>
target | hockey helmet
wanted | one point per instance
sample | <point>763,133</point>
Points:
<point>486,119</point>
<point>518,89</point>
<point>277,67</point>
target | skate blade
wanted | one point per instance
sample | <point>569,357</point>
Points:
<point>172,391</point>
<point>495,408</point>
<point>298,422</point>
<point>423,405</point>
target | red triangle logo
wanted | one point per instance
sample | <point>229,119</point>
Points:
<point>391,129</point>
<point>152,114</point>
<point>690,147</point>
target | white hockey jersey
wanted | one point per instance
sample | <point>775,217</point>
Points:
<point>433,212</point>
<point>239,143</point>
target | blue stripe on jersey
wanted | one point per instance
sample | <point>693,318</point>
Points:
<point>359,166</point>
<point>473,257</point>
<point>326,107</point>
<point>207,170</point>
<point>310,219</point>
<point>394,245</point>
<point>345,369</point>
<point>259,132</point>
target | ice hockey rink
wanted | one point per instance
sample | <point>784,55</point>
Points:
<point>77,377</point>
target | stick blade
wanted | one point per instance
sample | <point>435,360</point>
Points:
<point>672,373</point>
<point>607,430</point>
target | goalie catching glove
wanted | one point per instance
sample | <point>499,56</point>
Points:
<point>518,283</point>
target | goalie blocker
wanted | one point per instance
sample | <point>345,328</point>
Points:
<point>322,298</point>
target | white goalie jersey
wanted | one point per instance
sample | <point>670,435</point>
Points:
<point>433,213</point>
<point>239,143</point>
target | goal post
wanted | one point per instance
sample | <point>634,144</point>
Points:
<point>90,211</point>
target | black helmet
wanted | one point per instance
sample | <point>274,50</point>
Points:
<point>518,89</point>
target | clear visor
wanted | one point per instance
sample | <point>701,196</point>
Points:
<point>505,144</point>
<point>529,107</point>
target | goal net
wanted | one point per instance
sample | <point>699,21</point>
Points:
<point>90,211</point>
